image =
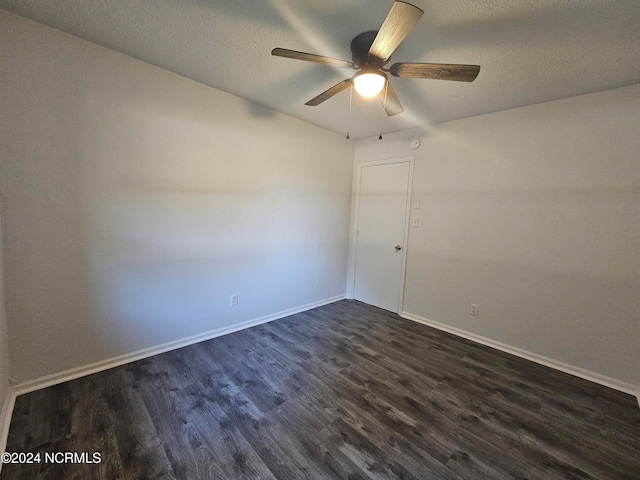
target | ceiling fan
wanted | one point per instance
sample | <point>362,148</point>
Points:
<point>371,52</point>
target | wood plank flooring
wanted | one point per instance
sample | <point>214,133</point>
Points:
<point>345,391</point>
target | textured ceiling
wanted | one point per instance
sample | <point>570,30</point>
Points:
<point>531,51</point>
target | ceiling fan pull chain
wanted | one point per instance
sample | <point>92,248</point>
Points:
<point>349,122</point>
<point>384,107</point>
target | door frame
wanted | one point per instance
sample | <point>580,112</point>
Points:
<point>351,280</point>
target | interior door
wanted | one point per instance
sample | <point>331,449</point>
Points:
<point>381,231</point>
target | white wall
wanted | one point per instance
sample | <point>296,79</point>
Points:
<point>534,214</point>
<point>137,201</point>
<point>4,346</point>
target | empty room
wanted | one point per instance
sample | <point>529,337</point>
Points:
<point>288,239</point>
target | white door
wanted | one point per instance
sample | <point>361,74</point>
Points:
<point>381,231</point>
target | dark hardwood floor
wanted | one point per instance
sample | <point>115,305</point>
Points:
<point>344,391</point>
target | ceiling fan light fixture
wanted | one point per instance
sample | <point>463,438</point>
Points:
<point>369,84</point>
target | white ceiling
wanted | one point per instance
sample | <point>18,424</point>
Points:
<point>531,51</point>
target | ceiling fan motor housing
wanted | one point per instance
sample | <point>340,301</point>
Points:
<point>360,46</point>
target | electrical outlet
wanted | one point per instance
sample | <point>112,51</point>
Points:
<point>234,299</point>
<point>415,222</point>
<point>474,309</point>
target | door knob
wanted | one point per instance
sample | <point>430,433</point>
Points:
<point>398,248</point>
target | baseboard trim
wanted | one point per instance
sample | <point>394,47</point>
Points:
<point>73,373</point>
<point>534,357</point>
